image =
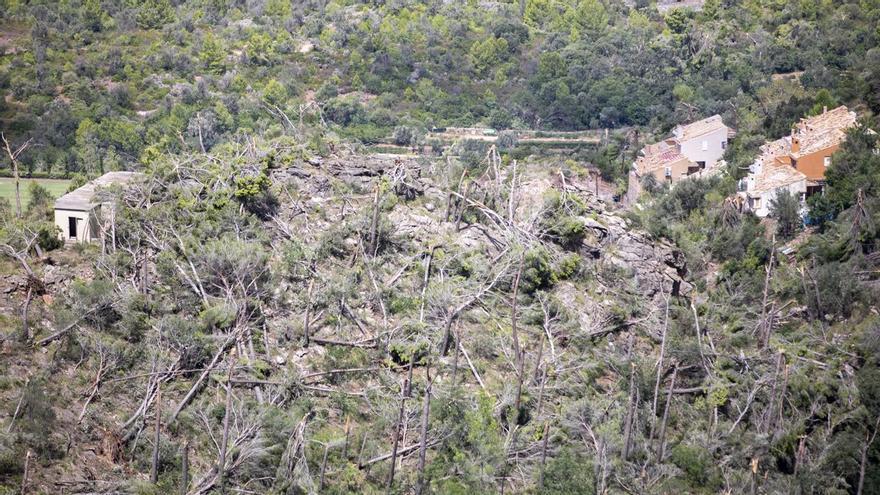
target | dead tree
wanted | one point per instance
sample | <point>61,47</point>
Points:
<point>308,311</point>
<point>374,223</point>
<point>154,468</point>
<point>224,443</point>
<point>764,323</point>
<point>517,348</point>
<point>629,422</point>
<point>230,340</point>
<point>26,472</point>
<point>454,313</point>
<point>19,249</point>
<point>661,450</point>
<point>543,454</point>
<point>323,467</point>
<point>404,393</point>
<point>184,469</point>
<point>13,157</point>
<point>423,433</point>
<point>659,369</point>
<point>869,439</point>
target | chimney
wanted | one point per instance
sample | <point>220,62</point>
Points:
<point>824,108</point>
<point>795,142</point>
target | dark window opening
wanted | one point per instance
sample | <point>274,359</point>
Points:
<point>71,227</point>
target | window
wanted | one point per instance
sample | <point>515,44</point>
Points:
<point>705,145</point>
<point>71,227</point>
<point>668,172</point>
<point>756,203</point>
<point>827,161</point>
<point>724,145</point>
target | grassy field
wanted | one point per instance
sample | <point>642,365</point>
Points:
<point>56,187</point>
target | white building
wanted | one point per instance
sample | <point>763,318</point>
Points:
<point>703,142</point>
<point>766,181</point>
<point>78,213</point>
<point>694,150</point>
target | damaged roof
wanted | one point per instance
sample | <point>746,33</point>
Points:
<point>696,129</point>
<point>823,131</point>
<point>83,198</point>
<point>774,176</point>
<point>659,155</point>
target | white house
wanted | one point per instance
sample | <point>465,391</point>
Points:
<point>694,150</point>
<point>703,142</point>
<point>766,181</point>
<point>78,213</point>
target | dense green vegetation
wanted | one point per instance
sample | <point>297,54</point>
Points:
<point>137,78</point>
<point>269,310</point>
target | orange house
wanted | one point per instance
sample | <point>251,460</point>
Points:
<point>814,140</point>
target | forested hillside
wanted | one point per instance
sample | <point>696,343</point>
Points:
<point>271,307</point>
<point>105,85</point>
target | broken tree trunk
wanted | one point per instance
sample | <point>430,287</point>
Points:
<point>629,422</point>
<point>659,370</point>
<point>517,349</point>
<point>869,439</point>
<point>323,467</point>
<point>184,470</point>
<point>154,468</point>
<point>13,157</point>
<point>423,433</point>
<point>308,311</point>
<point>374,224</point>
<point>765,325</point>
<point>192,391</point>
<point>543,455</point>
<point>26,472</point>
<point>661,450</point>
<point>401,410</point>
<point>224,445</point>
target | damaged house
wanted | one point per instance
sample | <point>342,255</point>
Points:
<point>796,162</point>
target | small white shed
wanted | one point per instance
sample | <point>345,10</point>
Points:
<point>78,214</point>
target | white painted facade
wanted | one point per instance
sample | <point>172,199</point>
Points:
<point>78,214</point>
<point>758,195</point>
<point>77,226</point>
<point>707,148</point>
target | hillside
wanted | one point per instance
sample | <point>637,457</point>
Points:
<point>507,327</point>
<point>440,247</point>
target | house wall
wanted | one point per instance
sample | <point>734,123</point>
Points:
<point>715,147</point>
<point>797,188</point>
<point>86,225</point>
<point>678,168</point>
<point>813,165</point>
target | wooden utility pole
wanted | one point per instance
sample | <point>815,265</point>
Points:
<point>13,157</point>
